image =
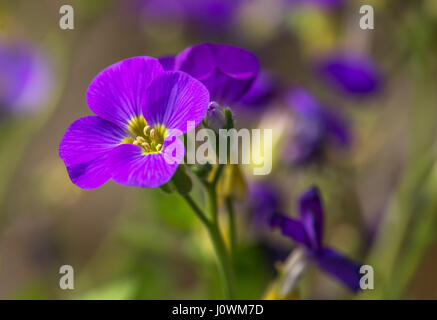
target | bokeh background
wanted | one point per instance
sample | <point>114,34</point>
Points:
<point>126,243</point>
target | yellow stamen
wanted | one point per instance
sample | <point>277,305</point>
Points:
<point>146,146</point>
<point>146,130</point>
<point>153,134</point>
<point>143,135</point>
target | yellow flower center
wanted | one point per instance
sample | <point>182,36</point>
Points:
<point>150,139</point>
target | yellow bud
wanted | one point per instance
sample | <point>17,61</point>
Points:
<point>232,183</point>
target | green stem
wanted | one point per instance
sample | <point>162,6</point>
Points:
<point>232,229</point>
<point>217,174</point>
<point>224,261</point>
<point>212,203</point>
<point>219,247</point>
<point>199,213</point>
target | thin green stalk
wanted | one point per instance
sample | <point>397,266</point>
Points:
<point>219,247</point>
<point>212,203</point>
<point>199,213</point>
<point>212,199</point>
<point>232,229</point>
<point>225,262</point>
<point>217,174</point>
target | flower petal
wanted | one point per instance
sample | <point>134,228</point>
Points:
<point>264,200</point>
<point>227,90</point>
<point>198,61</point>
<point>85,147</point>
<point>236,62</point>
<point>168,62</point>
<point>341,267</point>
<point>311,212</point>
<point>261,93</point>
<point>175,98</point>
<point>117,94</point>
<point>227,71</point>
<point>291,228</point>
<point>131,167</point>
<point>303,103</point>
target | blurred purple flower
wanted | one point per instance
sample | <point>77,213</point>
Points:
<point>141,109</point>
<point>308,230</point>
<point>25,78</point>
<point>227,71</point>
<point>315,127</point>
<point>350,74</point>
<point>264,201</point>
<point>212,14</point>
<point>324,4</point>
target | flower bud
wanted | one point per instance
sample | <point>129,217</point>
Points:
<point>215,116</point>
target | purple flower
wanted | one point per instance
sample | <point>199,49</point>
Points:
<point>141,109</point>
<point>25,78</point>
<point>307,231</point>
<point>315,127</point>
<point>227,71</point>
<point>350,74</point>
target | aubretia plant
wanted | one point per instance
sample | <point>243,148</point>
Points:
<point>143,105</point>
<point>141,109</point>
